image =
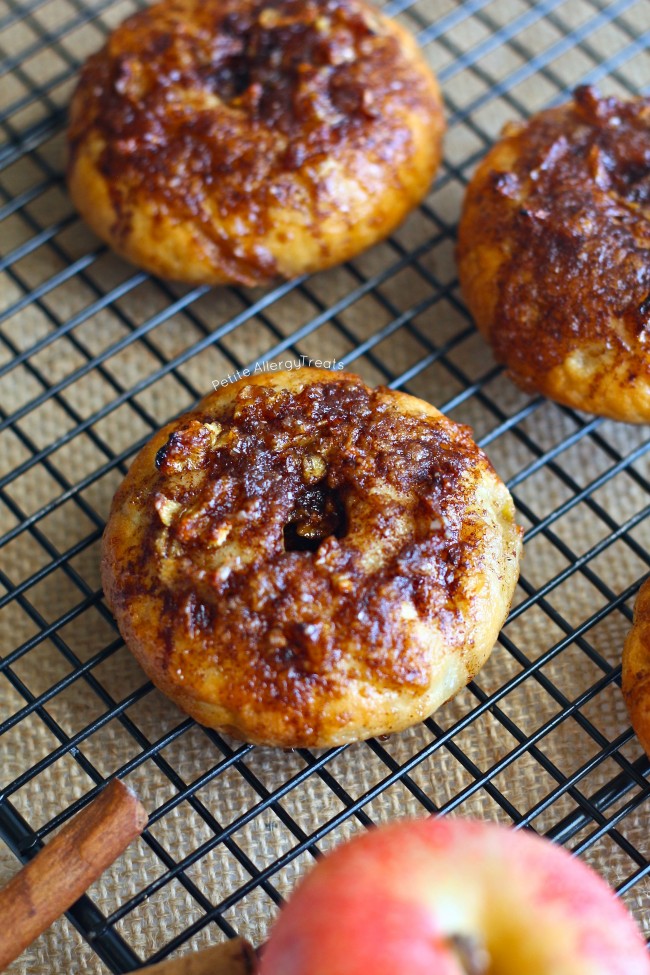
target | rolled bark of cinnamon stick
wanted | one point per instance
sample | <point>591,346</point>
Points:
<point>234,957</point>
<point>67,866</point>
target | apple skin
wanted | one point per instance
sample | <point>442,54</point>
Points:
<point>397,900</point>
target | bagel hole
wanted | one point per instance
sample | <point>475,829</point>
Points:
<point>231,79</point>
<point>318,513</point>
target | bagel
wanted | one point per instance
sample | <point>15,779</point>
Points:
<point>554,254</point>
<point>215,141</point>
<point>636,668</point>
<point>305,561</point>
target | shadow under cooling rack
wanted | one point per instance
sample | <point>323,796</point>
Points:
<point>94,356</point>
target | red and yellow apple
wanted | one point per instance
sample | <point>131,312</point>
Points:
<point>453,897</point>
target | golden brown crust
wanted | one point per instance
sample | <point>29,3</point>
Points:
<point>237,140</point>
<point>636,668</point>
<point>554,254</point>
<point>304,561</point>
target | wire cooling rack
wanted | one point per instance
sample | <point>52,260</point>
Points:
<point>94,356</point>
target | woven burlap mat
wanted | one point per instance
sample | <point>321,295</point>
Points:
<point>448,772</point>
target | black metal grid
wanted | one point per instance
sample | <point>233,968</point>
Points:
<point>95,356</point>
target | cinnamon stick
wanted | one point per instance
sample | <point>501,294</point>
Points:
<point>67,866</point>
<point>234,957</point>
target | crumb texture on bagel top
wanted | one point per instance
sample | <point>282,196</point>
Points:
<point>223,118</point>
<point>554,253</point>
<point>305,560</point>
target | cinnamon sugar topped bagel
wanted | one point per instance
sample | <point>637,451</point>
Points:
<point>236,140</point>
<point>305,561</point>
<point>636,668</point>
<point>554,254</point>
